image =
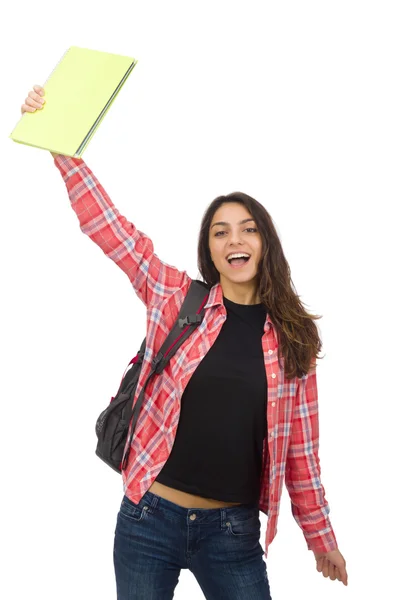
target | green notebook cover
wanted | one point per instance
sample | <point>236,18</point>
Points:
<point>78,94</point>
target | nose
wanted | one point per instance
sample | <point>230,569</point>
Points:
<point>235,238</point>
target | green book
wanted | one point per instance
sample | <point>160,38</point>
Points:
<point>78,94</point>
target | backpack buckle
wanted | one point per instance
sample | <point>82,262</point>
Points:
<point>190,320</point>
<point>156,363</point>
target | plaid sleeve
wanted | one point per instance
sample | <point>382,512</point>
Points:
<point>119,239</point>
<point>309,506</point>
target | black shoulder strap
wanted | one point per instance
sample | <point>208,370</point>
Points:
<point>190,316</point>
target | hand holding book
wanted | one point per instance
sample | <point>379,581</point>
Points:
<point>35,101</point>
<point>79,92</point>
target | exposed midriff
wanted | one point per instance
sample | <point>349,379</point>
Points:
<point>186,500</point>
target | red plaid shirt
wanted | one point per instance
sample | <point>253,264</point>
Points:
<point>290,452</point>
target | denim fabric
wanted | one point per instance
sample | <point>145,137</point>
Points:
<point>156,538</point>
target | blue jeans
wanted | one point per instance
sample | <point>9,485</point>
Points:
<point>156,538</point>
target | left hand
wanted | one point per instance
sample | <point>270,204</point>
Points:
<point>332,565</point>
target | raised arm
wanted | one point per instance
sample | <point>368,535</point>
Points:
<point>119,239</point>
<point>302,477</point>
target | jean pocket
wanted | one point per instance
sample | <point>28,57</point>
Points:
<point>129,510</point>
<point>245,526</point>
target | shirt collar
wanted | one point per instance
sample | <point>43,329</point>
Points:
<point>215,298</point>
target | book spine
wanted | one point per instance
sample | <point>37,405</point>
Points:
<point>54,69</point>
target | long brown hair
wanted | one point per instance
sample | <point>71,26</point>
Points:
<point>299,339</point>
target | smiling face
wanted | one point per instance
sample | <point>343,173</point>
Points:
<point>233,230</point>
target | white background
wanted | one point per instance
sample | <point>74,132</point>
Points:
<point>293,103</point>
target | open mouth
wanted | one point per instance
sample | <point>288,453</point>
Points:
<point>238,262</point>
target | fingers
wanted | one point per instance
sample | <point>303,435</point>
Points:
<point>34,100</point>
<point>328,569</point>
<point>331,573</point>
<point>337,574</point>
<point>39,89</point>
<point>320,563</point>
<point>343,573</point>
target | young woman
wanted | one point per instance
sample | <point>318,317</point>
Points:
<point>233,415</point>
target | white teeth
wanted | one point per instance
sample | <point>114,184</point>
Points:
<point>237,255</point>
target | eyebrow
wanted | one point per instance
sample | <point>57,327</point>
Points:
<point>225,224</point>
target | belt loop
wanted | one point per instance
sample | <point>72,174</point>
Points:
<point>223,517</point>
<point>153,503</point>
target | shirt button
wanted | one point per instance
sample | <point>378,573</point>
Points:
<point>270,351</point>
<point>273,375</point>
<point>273,404</point>
<point>192,517</point>
<point>272,434</point>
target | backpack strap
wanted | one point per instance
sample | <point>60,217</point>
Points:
<point>190,316</point>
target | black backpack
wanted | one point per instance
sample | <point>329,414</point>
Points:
<point>113,423</point>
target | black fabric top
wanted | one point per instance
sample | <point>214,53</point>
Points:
<point>218,446</point>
